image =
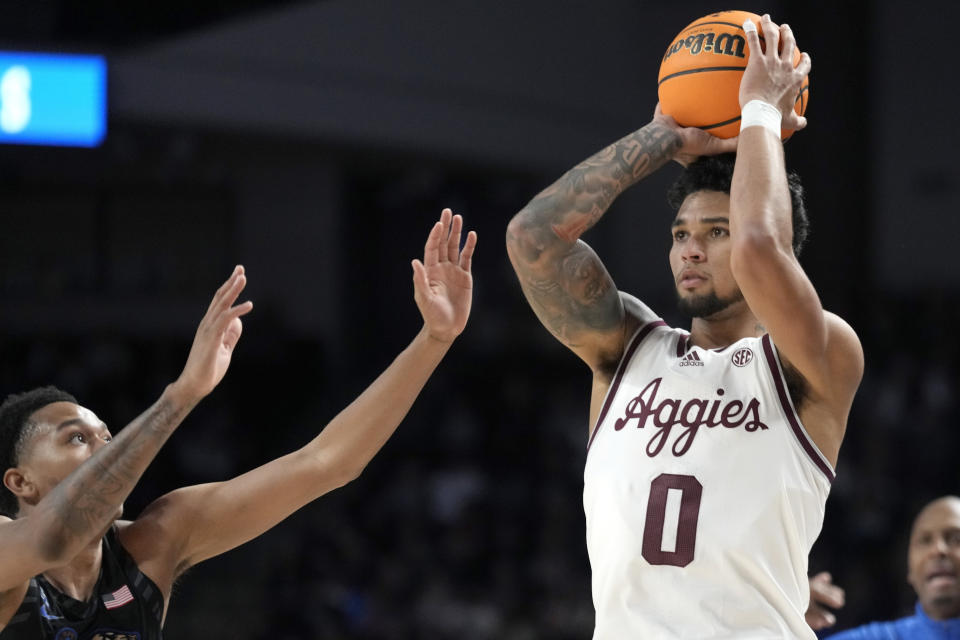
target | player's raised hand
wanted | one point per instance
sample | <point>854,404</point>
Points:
<point>442,283</point>
<point>216,337</point>
<point>694,142</point>
<point>770,75</point>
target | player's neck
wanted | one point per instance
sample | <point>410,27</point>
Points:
<point>725,327</point>
<point>78,578</point>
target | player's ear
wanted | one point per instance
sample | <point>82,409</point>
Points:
<point>20,485</point>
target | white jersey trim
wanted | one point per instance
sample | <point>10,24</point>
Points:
<point>772,357</point>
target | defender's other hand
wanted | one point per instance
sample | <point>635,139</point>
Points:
<point>216,338</point>
<point>442,283</point>
<point>770,75</point>
<point>694,142</point>
<point>823,594</point>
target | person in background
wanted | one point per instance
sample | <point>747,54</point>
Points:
<point>933,570</point>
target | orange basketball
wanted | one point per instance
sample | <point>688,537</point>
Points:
<point>699,82</point>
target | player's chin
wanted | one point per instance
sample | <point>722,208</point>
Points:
<point>691,294</point>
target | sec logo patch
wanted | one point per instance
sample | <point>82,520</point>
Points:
<point>742,357</point>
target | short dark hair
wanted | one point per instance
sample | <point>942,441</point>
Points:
<point>714,173</point>
<point>15,415</point>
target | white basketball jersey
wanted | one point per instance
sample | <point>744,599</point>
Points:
<point>703,494</point>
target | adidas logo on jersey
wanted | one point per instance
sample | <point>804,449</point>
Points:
<point>692,359</point>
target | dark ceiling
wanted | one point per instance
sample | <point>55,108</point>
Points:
<point>113,24</point>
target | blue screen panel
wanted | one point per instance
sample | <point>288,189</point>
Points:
<point>53,99</point>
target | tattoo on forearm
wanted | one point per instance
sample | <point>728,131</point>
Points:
<point>571,291</point>
<point>87,501</point>
<point>581,196</point>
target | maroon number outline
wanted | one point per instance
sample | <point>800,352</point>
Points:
<point>692,491</point>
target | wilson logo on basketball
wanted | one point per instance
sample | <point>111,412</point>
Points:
<point>742,357</point>
<point>724,44</point>
<point>687,417</point>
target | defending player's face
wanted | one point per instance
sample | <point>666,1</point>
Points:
<point>700,254</point>
<point>933,561</point>
<point>64,436</point>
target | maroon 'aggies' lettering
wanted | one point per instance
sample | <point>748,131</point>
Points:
<point>690,415</point>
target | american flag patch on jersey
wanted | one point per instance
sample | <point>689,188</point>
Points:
<point>118,598</point>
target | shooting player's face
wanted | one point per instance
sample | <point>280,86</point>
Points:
<point>700,254</point>
<point>63,437</point>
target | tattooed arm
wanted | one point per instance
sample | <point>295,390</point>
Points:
<point>563,279</point>
<point>85,503</point>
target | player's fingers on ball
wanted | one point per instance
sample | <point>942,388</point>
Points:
<point>803,67</point>
<point>753,38</point>
<point>789,42</point>
<point>793,122</point>
<point>453,242</point>
<point>771,33</point>
<point>725,145</point>
<point>466,256</point>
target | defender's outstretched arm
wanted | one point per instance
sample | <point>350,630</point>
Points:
<point>82,506</point>
<point>198,522</point>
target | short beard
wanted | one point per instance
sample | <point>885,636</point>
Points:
<point>705,305</point>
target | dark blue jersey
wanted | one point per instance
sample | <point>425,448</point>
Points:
<point>125,605</point>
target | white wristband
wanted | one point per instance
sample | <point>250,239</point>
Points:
<point>758,113</point>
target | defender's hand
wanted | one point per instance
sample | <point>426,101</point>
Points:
<point>216,337</point>
<point>694,142</point>
<point>442,283</point>
<point>823,594</point>
<point>770,75</point>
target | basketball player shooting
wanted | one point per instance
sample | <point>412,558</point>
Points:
<point>711,452</point>
<point>69,567</point>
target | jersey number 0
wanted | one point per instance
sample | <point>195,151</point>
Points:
<point>690,491</point>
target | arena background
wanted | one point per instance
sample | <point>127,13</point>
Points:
<point>315,143</point>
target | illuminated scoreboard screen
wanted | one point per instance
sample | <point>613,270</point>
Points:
<point>52,99</point>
